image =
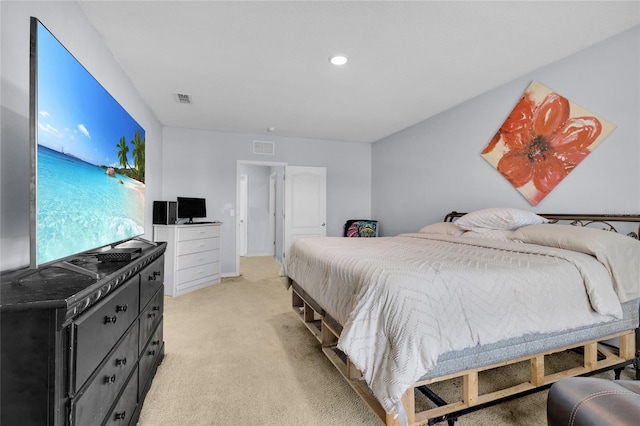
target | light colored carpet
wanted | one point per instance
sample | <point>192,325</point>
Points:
<point>236,354</point>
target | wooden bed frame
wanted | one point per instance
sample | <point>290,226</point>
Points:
<point>597,356</point>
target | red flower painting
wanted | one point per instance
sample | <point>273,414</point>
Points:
<point>542,140</point>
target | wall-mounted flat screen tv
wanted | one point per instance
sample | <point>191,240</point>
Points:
<point>88,158</point>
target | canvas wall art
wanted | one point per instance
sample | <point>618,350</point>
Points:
<point>544,138</point>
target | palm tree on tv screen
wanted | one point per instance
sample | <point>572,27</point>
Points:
<point>138,155</point>
<point>123,150</point>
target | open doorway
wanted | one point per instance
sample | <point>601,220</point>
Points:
<point>260,198</point>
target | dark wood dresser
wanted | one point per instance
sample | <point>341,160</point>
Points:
<point>81,350</point>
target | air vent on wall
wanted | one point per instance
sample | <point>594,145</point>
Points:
<point>264,147</point>
<point>182,98</point>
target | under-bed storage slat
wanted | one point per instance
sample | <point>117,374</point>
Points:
<point>307,314</point>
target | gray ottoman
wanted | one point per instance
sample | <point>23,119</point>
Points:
<point>588,401</point>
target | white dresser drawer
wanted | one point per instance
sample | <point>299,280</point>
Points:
<point>194,246</point>
<point>192,259</point>
<point>196,259</point>
<point>198,272</point>
<point>194,232</point>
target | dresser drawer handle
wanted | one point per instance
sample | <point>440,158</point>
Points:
<point>121,361</point>
<point>152,353</point>
<point>155,308</point>
<point>111,320</point>
<point>121,308</point>
<point>120,416</point>
<point>154,276</point>
<point>155,343</point>
<point>109,379</point>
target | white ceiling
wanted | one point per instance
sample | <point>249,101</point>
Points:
<point>251,65</point>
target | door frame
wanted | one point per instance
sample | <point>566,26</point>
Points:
<point>237,218</point>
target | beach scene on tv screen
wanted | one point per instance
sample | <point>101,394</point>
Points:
<point>90,160</point>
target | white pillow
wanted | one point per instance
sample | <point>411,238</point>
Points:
<point>618,252</point>
<point>447,228</point>
<point>490,234</point>
<point>498,218</point>
<point>575,238</point>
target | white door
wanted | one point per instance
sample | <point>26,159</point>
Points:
<point>305,203</point>
<point>242,214</point>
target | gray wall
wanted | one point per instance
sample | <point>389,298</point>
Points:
<point>433,167</point>
<point>198,163</point>
<point>406,180</point>
<point>204,164</point>
<point>67,22</point>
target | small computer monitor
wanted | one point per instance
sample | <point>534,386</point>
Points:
<point>190,208</point>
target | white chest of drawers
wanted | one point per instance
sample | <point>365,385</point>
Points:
<point>192,259</point>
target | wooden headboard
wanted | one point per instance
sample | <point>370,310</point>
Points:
<point>579,219</point>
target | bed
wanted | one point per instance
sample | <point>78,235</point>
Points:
<point>475,292</point>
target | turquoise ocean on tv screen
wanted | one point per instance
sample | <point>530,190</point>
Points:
<point>80,207</point>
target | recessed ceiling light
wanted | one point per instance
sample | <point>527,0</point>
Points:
<point>271,129</point>
<point>338,60</point>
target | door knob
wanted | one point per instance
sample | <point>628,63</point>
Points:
<point>323,224</point>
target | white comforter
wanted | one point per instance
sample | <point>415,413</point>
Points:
<point>405,300</point>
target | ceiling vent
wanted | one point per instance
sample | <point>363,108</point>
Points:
<point>264,147</point>
<point>182,98</point>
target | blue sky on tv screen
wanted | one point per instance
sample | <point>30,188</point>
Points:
<point>76,115</point>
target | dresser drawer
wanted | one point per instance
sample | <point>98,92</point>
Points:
<point>151,279</point>
<point>198,272</point>
<point>148,358</point>
<point>123,411</point>
<point>197,259</point>
<point>150,318</point>
<point>194,246</point>
<point>97,331</point>
<point>92,405</point>
<point>198,232</point>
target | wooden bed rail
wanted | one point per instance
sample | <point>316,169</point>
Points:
<point>577,219</point>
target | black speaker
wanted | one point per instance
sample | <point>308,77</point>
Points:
<point>165,212</point>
